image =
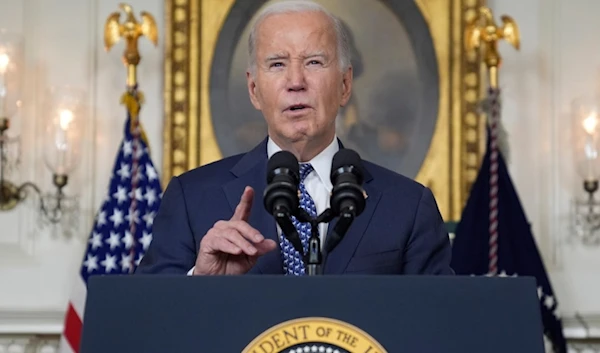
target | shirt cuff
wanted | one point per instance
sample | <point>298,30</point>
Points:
<point>191,271</point>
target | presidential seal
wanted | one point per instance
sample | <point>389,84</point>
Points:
<point>314,334</point>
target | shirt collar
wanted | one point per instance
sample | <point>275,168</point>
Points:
<point>321,162</point>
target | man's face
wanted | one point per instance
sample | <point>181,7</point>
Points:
<point>298,83</point>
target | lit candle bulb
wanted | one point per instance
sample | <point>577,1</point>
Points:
<point>65,117</point>
<point>4,60</point>
<point>590,124</point>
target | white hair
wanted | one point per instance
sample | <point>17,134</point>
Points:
<point>291,6</point>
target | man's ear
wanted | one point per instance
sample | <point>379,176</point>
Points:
<point>252,90</point>
<point>346,86</point>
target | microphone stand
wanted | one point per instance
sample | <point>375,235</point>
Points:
<point>313,259</point>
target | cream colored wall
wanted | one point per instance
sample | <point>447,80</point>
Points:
<point>64,46</point>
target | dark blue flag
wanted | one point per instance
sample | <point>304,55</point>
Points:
<point>516,254</point>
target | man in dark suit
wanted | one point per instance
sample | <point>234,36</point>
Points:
<point>212,220</point>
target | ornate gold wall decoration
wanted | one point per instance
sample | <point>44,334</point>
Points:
<point>204,42</point>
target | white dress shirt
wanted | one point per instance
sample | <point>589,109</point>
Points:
<point>318,184</point>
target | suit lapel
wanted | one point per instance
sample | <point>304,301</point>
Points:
<point>251,171</point>
<point>337,261</point>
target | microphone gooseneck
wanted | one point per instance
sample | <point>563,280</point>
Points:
<point>282,201</point>
<point>347,197</point>
<point>281,194</point>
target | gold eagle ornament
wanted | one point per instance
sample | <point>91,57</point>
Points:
<point>482,32</point>
<point>130,30</point>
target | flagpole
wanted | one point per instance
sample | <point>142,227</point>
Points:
<point>132,189</point>
<point>131,30</point>
<point>520,256</point>
<point>483,33</point>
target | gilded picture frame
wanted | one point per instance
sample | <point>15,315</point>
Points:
<point>194,34</point>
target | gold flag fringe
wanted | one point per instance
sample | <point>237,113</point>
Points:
<point>133,103</point>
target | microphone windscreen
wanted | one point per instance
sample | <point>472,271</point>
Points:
<point>282,159</point>
<point>345,158</point>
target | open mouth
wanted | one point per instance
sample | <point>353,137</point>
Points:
<point>297,107</point>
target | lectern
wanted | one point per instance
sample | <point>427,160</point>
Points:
<point>328,314</point>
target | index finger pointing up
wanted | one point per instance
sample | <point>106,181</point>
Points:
<point>242,211</point>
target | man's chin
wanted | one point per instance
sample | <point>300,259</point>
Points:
<point>297,136</point>
<point>299,131</point>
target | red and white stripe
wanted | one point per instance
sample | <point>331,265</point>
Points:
<point>71,337</point>
<point>493,218</point>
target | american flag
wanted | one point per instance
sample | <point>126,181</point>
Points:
<point>122,228</point>
<point>516,252</point>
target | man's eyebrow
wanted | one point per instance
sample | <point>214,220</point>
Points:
<point>282,56</point>
<point>321,54</point>
<point>273,57</point>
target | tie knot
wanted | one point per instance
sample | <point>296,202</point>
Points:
<point>305,169</point>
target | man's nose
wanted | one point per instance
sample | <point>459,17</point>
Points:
<point>296,78</point>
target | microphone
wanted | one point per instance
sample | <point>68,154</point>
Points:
<point>281,194</point>
<point>347,197</point>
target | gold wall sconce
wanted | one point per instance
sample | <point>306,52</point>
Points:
<point>586,147</point>
<point>61,109</point>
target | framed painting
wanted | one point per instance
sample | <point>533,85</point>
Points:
<point>415,92</point>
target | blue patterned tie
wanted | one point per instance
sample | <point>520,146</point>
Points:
<point>292,260</point>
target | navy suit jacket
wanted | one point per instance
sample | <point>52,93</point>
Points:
<point>400,230</point>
